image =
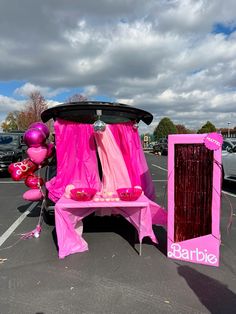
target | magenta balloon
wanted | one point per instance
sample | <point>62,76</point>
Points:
<point>41,126</point>
<point>34,137</point>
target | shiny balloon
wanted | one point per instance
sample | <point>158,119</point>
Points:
<point>34,137</point>
<point>41,126</point>
<point>20,170</point>
<point>99,126</point>
<point>33,195</point>
<point>50,150</point>
<point>37,154</point>
<point>33,181</point>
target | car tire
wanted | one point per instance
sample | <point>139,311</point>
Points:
<point>222,176</point>
<point>49,217</point>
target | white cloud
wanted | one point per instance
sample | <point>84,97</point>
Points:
<point>28,88</point>
<point>90,90</point>
<point>160,56</point>
<point>8,104</point>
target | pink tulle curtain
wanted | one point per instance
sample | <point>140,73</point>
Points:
<point>128,140</point>
<point>120,152</point>
<point>115,173</point>
<point>76,158</point>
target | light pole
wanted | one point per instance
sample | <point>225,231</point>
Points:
<point>229,129</point>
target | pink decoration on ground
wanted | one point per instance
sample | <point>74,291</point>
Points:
<point>20,170</point>
<point>40,126</point>
<point>34,137</point>
<point>33,195</point>
<point>33,181</point>
<point>37,154</point>
<point>213,141</point>
<point>32,234</point>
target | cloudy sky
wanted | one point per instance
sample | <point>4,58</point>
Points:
<point>174,58</point>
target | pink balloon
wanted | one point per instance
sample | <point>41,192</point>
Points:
<point>33,195</point>
<point>41,126</point>
<point>32,181</point>
<point>34,137</point>
<point>37,154</point>
<point>50,150</point>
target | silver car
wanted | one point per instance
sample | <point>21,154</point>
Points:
<point>228,143</point>
<point>229,159</point>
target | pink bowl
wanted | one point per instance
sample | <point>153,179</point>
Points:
<point>129,194</point>
<point>82,194</point>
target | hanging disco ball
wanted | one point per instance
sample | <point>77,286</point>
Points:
<point>99,126</point>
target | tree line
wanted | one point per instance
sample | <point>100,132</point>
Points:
<point>166,127</point>
<point>36,104</point>
<point>21,119</point>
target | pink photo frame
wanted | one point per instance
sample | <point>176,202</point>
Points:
<point>194,197</point>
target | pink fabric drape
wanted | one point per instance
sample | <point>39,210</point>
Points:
<point>76,158</point>
<point>115,173</point>
<point>121,156</point>
<point>69,213</point>
<point>128,140</point>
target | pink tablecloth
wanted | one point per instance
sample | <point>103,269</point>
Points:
<point>69,214</point>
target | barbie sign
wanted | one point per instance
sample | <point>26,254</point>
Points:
<point>194,190</point>
<point>193,255</point>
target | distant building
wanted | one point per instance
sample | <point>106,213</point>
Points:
<point>228,132</point>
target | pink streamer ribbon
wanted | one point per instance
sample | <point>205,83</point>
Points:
<point>32,234</point>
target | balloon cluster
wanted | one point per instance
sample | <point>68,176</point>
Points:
<point>39,150</point>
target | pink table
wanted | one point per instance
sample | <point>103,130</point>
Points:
<point>69,215</point>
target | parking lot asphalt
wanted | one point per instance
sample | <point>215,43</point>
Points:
<point>111,277</point>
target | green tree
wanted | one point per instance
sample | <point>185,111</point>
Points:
<point>10,123</point>
<point>164,128</point>
<point>207,128</point>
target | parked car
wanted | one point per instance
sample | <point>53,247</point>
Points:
<point>229,162</point>
<point>228,142</point>
<point>161,147</point>
<point>12,149</point>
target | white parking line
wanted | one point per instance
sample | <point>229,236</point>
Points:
<point>159,180</point>
<point>159,167</point>
<point>230,194</point>
<point>13,227</point>
<point>10,182</point>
